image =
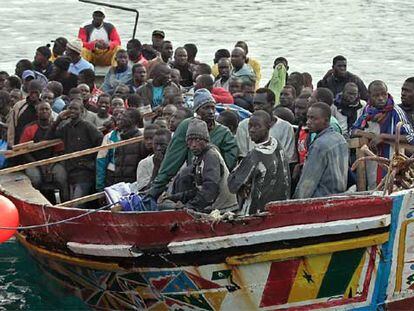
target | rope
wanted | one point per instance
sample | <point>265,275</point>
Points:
<point>58,222</point>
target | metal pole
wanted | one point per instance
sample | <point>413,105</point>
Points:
<point>113,6</point>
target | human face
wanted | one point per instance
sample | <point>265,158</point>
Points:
<point>15,96</point>
<point>378,95</point>
<point>315,121</point>
<point>301,110</point>
<point>286,98</point>
<point>175,76</point>
<point>74,56</point>
<point>34,95</point>
<point>168,111</point>
<point>260,102</point>
<point>117,102</point>
<point>248,90</point>
<point>176,119</point>
<point>122,60</point>
<point>43,111</point>
<point>238,58</point>
<point>167,51</point>
<point>148,139</point>
<point>350,94</point>
<point>140,75</point>
<point>157,41</point>
<point>340,68</point>
<point>121,91</point>
<point>257,130</point>
<point>47,96</point>
<point>163,77</point>
<point>3,78</point>
<point>181,57</point>
<point>58,49</point>
<point>75,108</point>
<point>160,145</point>
<point>235,86</point>
<point>132,51</point>
<point>123,121</point>
<point>103,104</point>
<point>207,112</point>
<point>196,145</point>
<point>39,58</point>
<point>97,18</point>
<point>407,94</point>
<point>162,123</point>
<point>84,90</point>
<point>224,69</point>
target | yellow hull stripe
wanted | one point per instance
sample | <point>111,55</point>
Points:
<point>308,250</point>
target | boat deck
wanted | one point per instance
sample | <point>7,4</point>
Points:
<point>18,185</point>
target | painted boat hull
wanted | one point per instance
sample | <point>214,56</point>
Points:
<point>333,253</point>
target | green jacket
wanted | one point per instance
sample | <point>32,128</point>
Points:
<point>177,153</point>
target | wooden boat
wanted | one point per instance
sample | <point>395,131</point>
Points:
<point>343,252</point>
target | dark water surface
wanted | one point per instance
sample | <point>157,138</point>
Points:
<point>24,287</point>
<point>375,36</point>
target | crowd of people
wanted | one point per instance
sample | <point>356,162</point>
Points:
<point>212,137</point>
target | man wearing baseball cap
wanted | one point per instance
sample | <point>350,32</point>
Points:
<point>178,153</point>
<point>157,39</point>
<point>100,40</point>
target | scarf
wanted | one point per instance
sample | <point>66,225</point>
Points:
<point>378,115</point>
<point>350,111</point>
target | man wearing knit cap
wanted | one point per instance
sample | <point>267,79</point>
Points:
<point>178,153</point>
<point>73,51</point>
<point>202,185</point>
<point>100,40</point>
<point>41,61</point>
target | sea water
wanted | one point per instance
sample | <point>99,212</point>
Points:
<point>374,35</point>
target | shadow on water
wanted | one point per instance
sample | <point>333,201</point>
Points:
<point>23,286</point>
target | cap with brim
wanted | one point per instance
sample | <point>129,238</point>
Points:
<point>27,74</point>
<point>61,40</point>
<point>158,33</point>
<point>101,10</point>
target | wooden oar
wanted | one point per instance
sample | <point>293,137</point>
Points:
<point>68,156</point>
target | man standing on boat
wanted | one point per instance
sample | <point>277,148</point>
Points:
<point>263,175</point>
<point>100,40</point>
<point>326,168</point>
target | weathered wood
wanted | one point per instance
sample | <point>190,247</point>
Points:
<point>103,250</point>
<point>279,234</point>
<point>23,145</point>
<point>82,200</point>
<point>72,155</point>
<point>361,169</point>
<point>31,148</point>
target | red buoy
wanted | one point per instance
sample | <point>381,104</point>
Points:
<point>9,217</point>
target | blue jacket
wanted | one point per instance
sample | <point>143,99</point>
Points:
<point>326,168</point>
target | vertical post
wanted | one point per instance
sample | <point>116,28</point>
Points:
<point>361,169</point>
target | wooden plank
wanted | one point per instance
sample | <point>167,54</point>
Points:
<point>84,199</point>
<point>103,250</point>
<point>23,145</point>
<point>315,249</point>
<point>361,169</point>
<point>280,234</point>
<point>34,147</point>
<point>72,155</point>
